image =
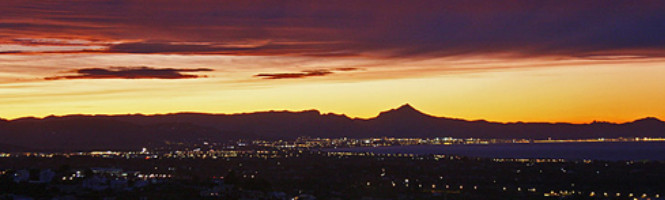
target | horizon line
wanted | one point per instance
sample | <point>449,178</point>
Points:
<point>321,113</point>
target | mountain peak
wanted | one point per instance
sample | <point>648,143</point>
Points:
<point>406,106</point>
<point>405,110</point>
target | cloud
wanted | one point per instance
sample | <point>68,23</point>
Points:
<point>156,47</point>
<point>346,69</point>
<point>304,73</point>
<point>18,49</point>
<point>131,73</point>
<point>244,48</point>
<point>51,41</point>
<point>384,28</point>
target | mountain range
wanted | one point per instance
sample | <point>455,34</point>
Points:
<point>94,132</point>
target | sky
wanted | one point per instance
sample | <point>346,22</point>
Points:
<point>505,61</point>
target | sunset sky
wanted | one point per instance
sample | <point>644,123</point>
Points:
<point>506,61</point>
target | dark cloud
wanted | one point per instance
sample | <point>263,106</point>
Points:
<point>348,28</point>
<point>131,73</point>
<point>304,73</point>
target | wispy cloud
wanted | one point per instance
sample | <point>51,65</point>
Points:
<point>304,73</point>
<point>347,69</point>
<point>131,73</point>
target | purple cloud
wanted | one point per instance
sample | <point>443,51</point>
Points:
<point>348,28</point>
<point>131,73</point>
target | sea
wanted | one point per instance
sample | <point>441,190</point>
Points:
<point>608,151</point>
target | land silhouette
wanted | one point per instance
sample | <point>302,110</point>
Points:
<point>94,132</point>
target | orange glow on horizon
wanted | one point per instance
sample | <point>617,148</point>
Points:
<point>499,89</point>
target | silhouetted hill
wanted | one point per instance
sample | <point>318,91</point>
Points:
<point>83,132</point>
<point>90,133</point>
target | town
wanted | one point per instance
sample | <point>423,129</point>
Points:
<point>307,169</point>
